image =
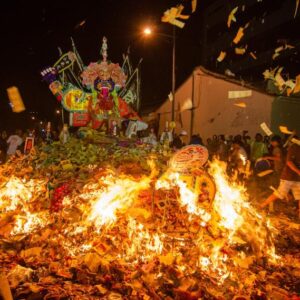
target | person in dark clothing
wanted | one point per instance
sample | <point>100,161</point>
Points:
<point>290,178</point>
<point>3,147</point>
<point>178,141</point>
<point>196,140</point>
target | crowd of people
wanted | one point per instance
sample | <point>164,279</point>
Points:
<point>267,161</point>
<point>261,163</point>
<point>14,141</point>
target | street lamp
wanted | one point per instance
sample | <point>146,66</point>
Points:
<point>147,32</point>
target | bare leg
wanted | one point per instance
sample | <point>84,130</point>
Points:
<point>271,198</point>
<point>271,206</point>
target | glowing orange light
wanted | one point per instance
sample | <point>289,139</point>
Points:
<point>147,31</point>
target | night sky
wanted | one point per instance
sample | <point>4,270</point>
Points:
<point>31,31</point>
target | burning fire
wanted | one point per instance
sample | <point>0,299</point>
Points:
<point>30,222</point>
<point>14,193</point>
<point>117,197</point>
<point>142,242</point>
<point>235,220</point>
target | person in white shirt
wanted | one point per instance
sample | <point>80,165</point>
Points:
<point>14,141</point>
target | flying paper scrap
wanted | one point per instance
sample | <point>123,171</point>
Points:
<point>231,17</point>
<point>15,99</point>
<point>221,56</point>
<point>80,24</point>
<point>253,55</point>
<point>239,94</point>
<point>194,5</point>
<point>187,105</point>
<point>296,141</point>
<point>171,15</point>
<point>241,104</point>
<point>297,86</point>
<point>285,130</point>
<point>240,51</point>
<point>291,84</point>
<point>266,129</point>
<point>239,35</point>
<point>280,49</point>
<point>296,9</point>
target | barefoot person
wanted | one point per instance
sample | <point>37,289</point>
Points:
<point>290,177</point>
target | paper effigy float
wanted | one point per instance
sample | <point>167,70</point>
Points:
<point>95,93</point>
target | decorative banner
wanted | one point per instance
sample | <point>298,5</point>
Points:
<point>93,93</point>
<point>15,99</point>
<point>78,119</point>
<point>65,62</point>
<point>239,94</point>
<point>266,129</point>
<point>189,157</point>
<point>75,99</point>
<point>57,90</point>
<point>29,144</point>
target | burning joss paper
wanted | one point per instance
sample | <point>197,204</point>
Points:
<point>285,130</point>
<point>16,100</point>
<point>222,56</point>
<point>253,55</point>
<point>173,14</point>
<point>240,34</point>
<point>266,129</point>
<point>231,17</point>
<point>296,141</point>
<point>297,7</point>
<point>194,5</point>
<point>240,51</point>
<point>241,104</point>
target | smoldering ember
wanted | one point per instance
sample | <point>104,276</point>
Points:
<point>107,192</point>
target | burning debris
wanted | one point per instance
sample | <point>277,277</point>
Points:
<point>137,231</point>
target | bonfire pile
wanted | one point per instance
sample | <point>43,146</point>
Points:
<point>83,221</point>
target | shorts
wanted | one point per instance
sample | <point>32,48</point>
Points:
<point>286,186</point>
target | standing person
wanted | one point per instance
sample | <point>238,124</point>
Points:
<point>237,158</point>
<point>290,178</point>
<point>179,140</point>
<point>152,138</point>
<point>258,148</point>
<point>277,155</point>
<point>3,147</point>
<point>196,140</point>
<point>14,141</point>
<point>214,144</point>
<point>166,137</point>
<point>222,151</point>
